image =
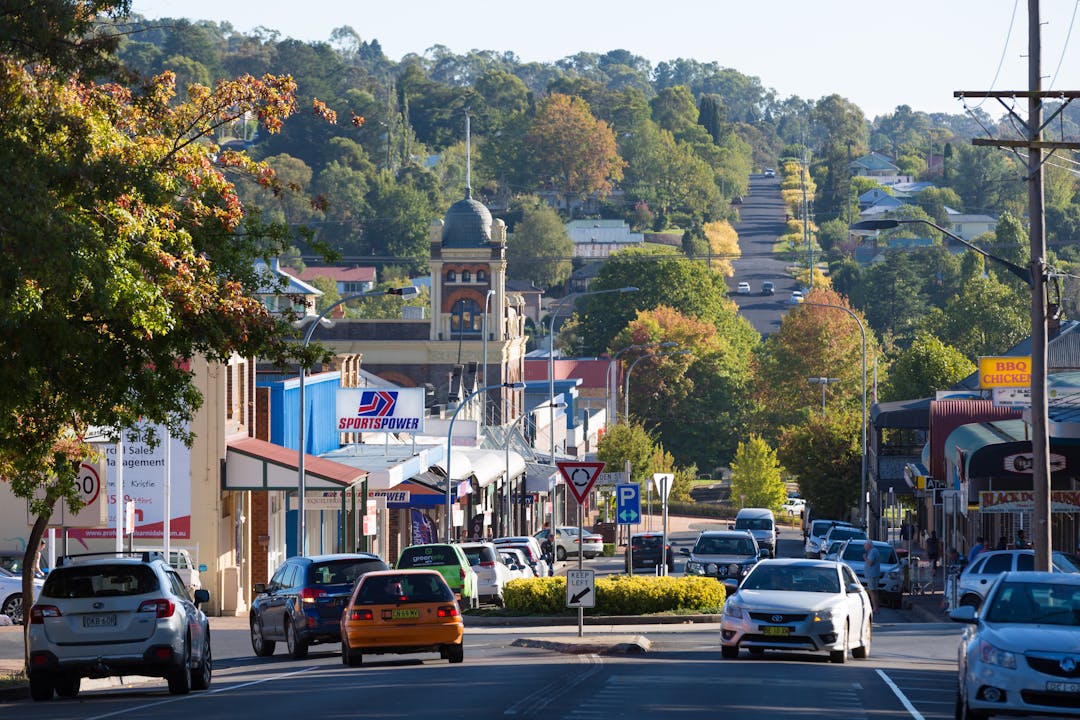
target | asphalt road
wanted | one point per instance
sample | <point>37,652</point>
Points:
<point>761,222</point>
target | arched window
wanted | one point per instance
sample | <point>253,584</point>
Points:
<point>466,276</point>
<point>466,318</point>
<point>481,276</point>
<point>451,276</point>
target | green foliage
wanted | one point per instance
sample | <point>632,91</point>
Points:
<point>619,595</point>
<point>629,442</point>
<point>539,249</point>
<point>823,455</point>
<point>756,476</point>
<point>924,367</point>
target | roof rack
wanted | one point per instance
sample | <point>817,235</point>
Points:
<point>144,556</point>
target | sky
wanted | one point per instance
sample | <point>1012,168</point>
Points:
<point>877,55</point>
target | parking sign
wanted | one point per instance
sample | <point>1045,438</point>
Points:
<point>628,504</point>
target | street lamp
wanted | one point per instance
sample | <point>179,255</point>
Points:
<point>862,475</point>
<point>551,388</point>
<point>408,291</point>
<point>450,438</point>
<point>509,434</point>
<point>626,390</point>
<point>823,381</point>
<point>484,323</point>
<point>612,383</point>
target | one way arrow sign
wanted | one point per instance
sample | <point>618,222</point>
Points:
<point>580,589</point>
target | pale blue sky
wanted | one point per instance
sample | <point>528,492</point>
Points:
<point>876,54</point>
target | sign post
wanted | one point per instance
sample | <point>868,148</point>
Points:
<point>663,487</point>
<point>628,512</point>
<point>580,477</point>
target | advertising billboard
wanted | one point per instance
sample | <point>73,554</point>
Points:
<point>380,410</point>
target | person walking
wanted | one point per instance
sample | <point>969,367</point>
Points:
<point>872,570</point>
<point>977,548</point>
<point>1021,541</point>
<point>933,550</point>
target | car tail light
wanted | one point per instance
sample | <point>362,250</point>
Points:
<point>576,541</point>
<point>487,564</point>
<point>38,613</point>
<point>462,572</point>
<point>161,607</point>
<point>163,653</point>
<point>446,611</point>
<point>361,614</point>
<point>310,595</point>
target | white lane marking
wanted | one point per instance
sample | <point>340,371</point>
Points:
<point>203,694</point>
<point>540,699</point>
<point>903,698</point>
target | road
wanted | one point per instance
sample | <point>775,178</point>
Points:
<point>911,674</point>
<point>761,222</point>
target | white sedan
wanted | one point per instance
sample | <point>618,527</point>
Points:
<point>743,288</point>
<point>798,605</point>
<point>11,597</point>
<point>1019,654</point>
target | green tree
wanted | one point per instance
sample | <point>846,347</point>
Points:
<point>539,249</point>
<point>330,294</point>
<point>401,216</point>
<point>924,367</point>
<point>823,455</point>
<point>629,443</point>
<point>756,475</point>
<point>987,317</point>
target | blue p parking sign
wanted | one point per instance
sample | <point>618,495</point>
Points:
<point>628,504</point>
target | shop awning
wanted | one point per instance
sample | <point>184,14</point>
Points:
<point>252,464</point>
<point>914,414</point>
<point>426,490</point>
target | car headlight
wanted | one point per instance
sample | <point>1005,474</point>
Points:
<point>733,610</point>
<point>824,616</point>
<point>694,568</point>
<point>893,575</point>
<point>711,568</point>
<point>995,656</point>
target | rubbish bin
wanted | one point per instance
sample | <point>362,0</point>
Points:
<point>606,531</point>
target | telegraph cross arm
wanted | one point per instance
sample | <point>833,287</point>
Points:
<point>580,476</point>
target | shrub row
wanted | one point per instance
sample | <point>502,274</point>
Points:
<point>619,595</point>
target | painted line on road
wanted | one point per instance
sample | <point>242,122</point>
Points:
<point>540,699</point>
<point>199,695</point>
<point>903,698</point>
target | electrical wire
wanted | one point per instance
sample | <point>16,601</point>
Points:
<point>1065,47</point>
<point>1005,49</point>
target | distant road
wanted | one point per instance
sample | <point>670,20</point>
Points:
<point>761,222</point>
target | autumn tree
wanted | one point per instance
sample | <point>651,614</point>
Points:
<point>723,244</point>
<point>756,475</point>
<point>572,149</point>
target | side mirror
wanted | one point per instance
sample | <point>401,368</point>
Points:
<point>684,551</point>
<point>260,588</point>
<point>202,596</point>
<point>854,587</point>
<point>964,614</point>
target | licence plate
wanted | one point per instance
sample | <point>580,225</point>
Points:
<point>99,620</point>
<point>774,630</point>
<point>405,613</point>
<point>1065,687</point>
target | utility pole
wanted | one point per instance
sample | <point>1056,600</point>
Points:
<point>1035,146</point>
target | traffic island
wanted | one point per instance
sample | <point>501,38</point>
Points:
<point>592,645</point>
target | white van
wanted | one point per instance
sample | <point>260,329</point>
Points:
<point>761,524</point>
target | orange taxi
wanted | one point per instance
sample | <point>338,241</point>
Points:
<point>401,611</point>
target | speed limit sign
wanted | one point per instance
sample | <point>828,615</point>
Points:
<point>89,483</point>
<point>94,512</point>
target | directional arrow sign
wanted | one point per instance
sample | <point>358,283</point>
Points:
<point>580,477</point>
<point>628,504</point>
<point>580,589</point>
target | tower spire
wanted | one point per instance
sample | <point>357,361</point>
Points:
<point>468,156</point>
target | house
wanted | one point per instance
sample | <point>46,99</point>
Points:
<point>879,167</point>
<point>282,291</point>
<point>969,225</point>
<point>348,280</point>
<point>598,239</point>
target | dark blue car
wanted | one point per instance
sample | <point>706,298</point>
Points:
<point>303,601</point>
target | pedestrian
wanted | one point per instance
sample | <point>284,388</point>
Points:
<point>933,550</point>
<point>872,571</point>
<point>1021,541</point>
<point>977,548</point>
<point>1002,544</point>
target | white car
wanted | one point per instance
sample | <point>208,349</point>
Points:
<point>1019,654</point>
<point>514,559</point>
<point>816,532</point>
<point>11,597</point>
<point>890,586</point>
<point>981,573</point>
<point>491,574</point>
<point>568,543</point>
<point>743,288</point>
<point>798,605</point>
<point>793,507</point>
<point>840,532</point>
<point>531,547</point>
<point>796,297</point>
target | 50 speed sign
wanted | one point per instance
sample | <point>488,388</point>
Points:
<point>89,483</point>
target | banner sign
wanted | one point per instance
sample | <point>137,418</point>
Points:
<point>380,410</point>
<point>1004,372</point>
<point>1007,501</point>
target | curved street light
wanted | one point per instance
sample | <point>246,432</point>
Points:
<point>612,404</point>
<point>509,435</point>
<point>301,527</point>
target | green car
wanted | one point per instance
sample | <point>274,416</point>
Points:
<point>450,562</point>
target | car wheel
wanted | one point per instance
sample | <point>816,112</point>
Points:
<point>67,686</point>
<point>729,652</point>
<point>350,657</point>
<point>13,608</point>
<point>970,600</point>
<point>259,643</point>
<point>455,653</point>
<point>590,556</point>
<point>180,678</point>
<point>204,671</point>
<point>560,554</point>
<point>863,651</point>
<point>756,651</point>
<point>41,686</point>
<point>840,656</point>
<point>963,712</point>
<point>297,647</point>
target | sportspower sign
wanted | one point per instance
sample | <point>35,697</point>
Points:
<point>380,410</point>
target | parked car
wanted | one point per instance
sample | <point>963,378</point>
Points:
<point>841,532</point>
<point>816,532</point>
<point>743,288</point>
<point>890,586</point>
<point>531,547</point>
<point>1018,656</point>
<point>723,554</point>
<point>491,574</point>
<point>761,524</point>
<point>11,559</point>
<point>182,562</point>
<point>302,602</point>
<point>793,507</point>
<point>11,597</point>
<point>802,605</point>
<point>644,550</point>
<point>568,543</point>
<point>515,561</point>
<point>450,561</point>
<point>977,577</point>
<point>401,611</point>
<point>833,551</point>
<point>768,288</point>
<point>117,614</point>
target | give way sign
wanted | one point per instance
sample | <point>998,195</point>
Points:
<point>580,477</point>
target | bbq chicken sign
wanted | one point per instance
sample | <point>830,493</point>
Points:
<point>380,410</point>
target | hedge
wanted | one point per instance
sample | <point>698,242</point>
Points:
<point>619,595</point>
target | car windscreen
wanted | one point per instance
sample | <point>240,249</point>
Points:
<point>1028,602</point>
<point>88,581</point>
<point>479,554</point>
<point>724,546</point>
<point>753,524</point>
<point>845,534</point>
<point>387,589</point>
<point>647,541</point>
<point>343,572</point>
<point>793,578</point>
<point>1062,563</point>
<point>427,556</point>
<point>854,552</point>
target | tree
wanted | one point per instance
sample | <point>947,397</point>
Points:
<point>924,367</point>
<point>823,454</point>
<point>401,216</point>
<point>987,317</point>
<point>628,443</point>
<point>723,242</point>
<point>539,249</point>
<point>756,476</point>
<point>572,149</point>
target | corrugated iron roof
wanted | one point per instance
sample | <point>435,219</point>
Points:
<point>948,415</point>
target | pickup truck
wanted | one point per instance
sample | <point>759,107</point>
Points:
<point>182,561</point>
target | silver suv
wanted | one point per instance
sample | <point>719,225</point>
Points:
<point>107,614</point>
<point>723,554</point>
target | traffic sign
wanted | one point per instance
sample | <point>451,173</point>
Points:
<point>580,476</point>
<point>580,589</point>
<point>663,483</point>
<point>628,504</point>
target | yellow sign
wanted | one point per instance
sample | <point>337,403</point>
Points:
<point>1004,372</point>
